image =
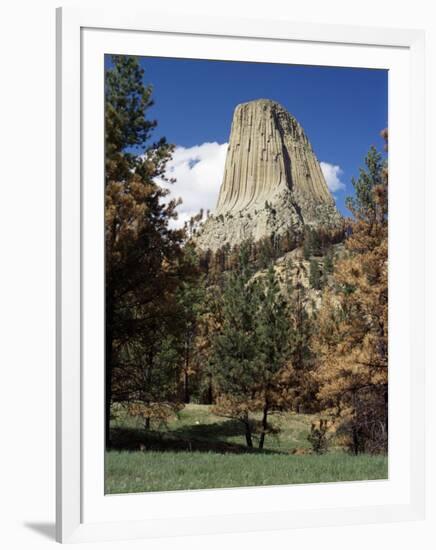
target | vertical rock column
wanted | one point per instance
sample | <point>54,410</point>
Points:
<point>268,153</point>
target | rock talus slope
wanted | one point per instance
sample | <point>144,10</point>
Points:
<point>272,180</point>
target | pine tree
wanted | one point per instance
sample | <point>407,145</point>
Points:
<point>352,323</point>
<point>273,339</point>
<point>311,243</point>
<point>328,261</point>
<point>190,299</point>
<point>234,361</point>
<point>307,245</point>
<point>250,359</point>
<point>371,180</point>
<point>127,129</point>
<point>314,275</point>
<point>302,383</point>
<point>143,256</point>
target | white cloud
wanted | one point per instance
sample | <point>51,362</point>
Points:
<point>332,174</point>
<point>199,171</point>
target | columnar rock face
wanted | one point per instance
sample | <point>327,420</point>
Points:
<point>272,181</point>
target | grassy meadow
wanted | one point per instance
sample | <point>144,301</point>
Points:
<point>198,450</point>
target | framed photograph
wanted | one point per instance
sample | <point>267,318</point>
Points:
<point>240,300</point>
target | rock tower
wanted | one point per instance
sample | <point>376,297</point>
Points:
<point>272,182</point>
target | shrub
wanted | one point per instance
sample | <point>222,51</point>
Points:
<point>318,437</point>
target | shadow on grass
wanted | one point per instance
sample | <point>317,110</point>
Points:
<point>199,438</point>
<point>215,430</point>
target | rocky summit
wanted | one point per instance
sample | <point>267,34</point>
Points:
<point>272,181</point>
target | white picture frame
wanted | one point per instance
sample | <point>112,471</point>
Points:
<point>83,512</point>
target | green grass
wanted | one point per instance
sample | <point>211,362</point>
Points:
<point>199,450</point>
<point>129,472</point>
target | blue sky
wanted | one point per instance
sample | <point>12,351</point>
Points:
<point>342,111</point>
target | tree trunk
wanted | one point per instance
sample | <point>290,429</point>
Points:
<point>187,396</point>
<point>147,423</point>
<point>210,392</point>
<point>355,440</point>
<point>109,335</point>
<point>354,428</point>
<point>108,364</point>
<point>386,398</point>
<point>264,426</point>
<point>248,437</point>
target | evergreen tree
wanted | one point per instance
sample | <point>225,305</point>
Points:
<point>127,129</point>
<point>311,243</point>
<point>314,275</point>
<point>251,352</point>
<point>190,299</point>
<point>303,386</point>
<point>328,261</point>
<point>235,351</point>
<point>327,267</point>
<point>143,257</point>
<point>365,204</point>
<point>352,337</point>
<point>307,248</point>
<point>273,339</point>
